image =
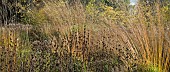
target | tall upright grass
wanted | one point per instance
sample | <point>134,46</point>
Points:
<point>79,38</point>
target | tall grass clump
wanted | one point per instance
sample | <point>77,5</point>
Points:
<point>148,34</point>
<point>98,36</point>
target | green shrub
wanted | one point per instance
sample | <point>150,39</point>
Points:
<point>13,11</point>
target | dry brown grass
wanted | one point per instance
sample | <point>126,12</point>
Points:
<point>80,41</point>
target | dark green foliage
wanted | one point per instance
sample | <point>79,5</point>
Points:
<point>8,9</point>
<point>12,11</point>
<point>78,66</point>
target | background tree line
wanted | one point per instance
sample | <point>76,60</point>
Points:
<point>12,11</point>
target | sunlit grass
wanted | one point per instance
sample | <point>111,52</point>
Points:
<point>83,38</point>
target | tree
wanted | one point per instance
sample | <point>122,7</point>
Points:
<point>12,10</point>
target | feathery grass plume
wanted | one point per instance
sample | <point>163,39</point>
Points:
<point>95,38</point>
<point>148,37</point>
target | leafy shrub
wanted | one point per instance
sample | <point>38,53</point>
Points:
<point>13,11</point>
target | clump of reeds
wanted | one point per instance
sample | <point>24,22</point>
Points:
<point>148,36</point>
